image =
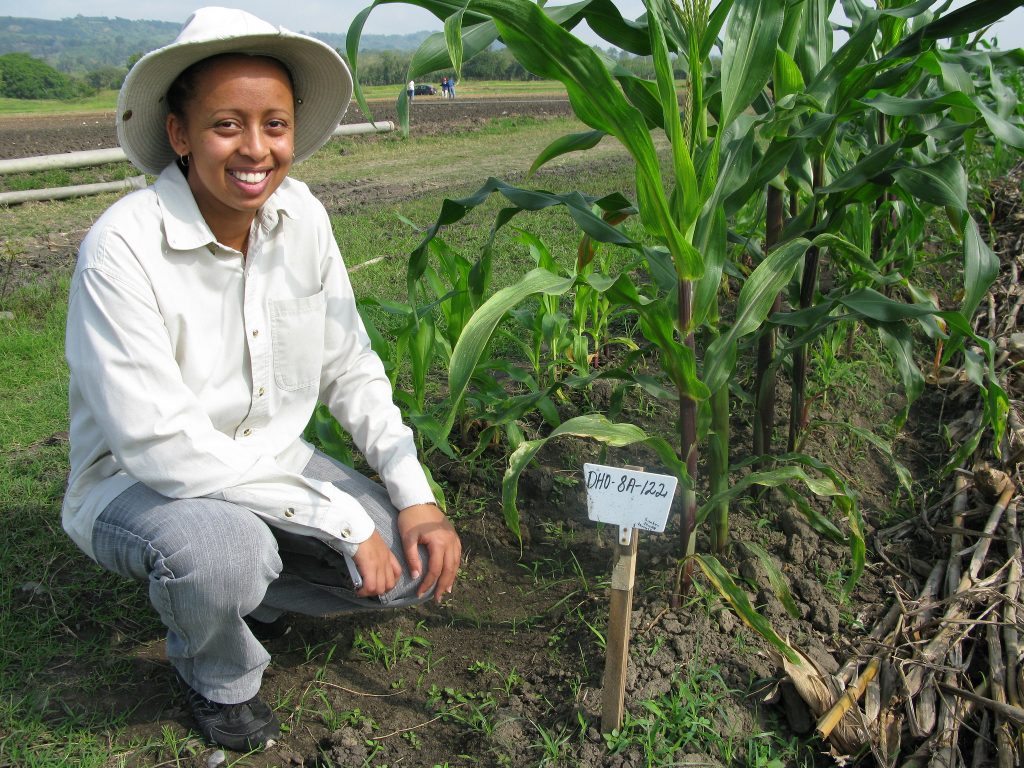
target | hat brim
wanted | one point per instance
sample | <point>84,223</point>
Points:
<point>322,81</point>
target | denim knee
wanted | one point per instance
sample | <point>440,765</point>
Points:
<point>225,569</point>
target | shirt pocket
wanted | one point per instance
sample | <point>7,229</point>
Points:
<point>297,331</point>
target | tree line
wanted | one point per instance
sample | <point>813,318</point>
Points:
<point>23,76</point>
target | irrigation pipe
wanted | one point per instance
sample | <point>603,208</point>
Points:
<point>60,193</point>
<point>91,157</point>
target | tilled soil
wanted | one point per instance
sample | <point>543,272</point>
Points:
<point>31,136</point>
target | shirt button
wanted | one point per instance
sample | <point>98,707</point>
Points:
<point>255,333</point>
<point>246,433</point>
<point>262,391</point>
<point>290,512</point>
<point>346,533</point>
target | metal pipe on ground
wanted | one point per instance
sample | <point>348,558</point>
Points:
<point>60,193</point>
<point>92,157</point>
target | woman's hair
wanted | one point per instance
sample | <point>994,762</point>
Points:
<point>183,88</point>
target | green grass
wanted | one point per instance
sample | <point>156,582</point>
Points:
<point>102,101</point>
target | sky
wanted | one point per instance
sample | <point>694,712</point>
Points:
<point>336,15</point>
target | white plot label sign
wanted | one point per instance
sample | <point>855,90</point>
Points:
<point>628,498</point>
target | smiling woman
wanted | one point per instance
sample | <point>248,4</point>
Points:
<point>209,315</point>
<point>234,138</point>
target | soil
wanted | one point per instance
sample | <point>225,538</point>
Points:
<point>510,667</point>
<point>29,136</point>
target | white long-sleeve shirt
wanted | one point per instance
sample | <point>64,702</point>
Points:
<point>194,370</point>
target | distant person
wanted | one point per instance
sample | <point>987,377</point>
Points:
<point>444,87</point>
<point>451,87</point>
<point>411,90</point>
<point>208,317</point>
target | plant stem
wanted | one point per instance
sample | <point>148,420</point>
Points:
<point>688,450</point>
<point>808,285</point>
<point>764,386</point>
<point>718,468</point>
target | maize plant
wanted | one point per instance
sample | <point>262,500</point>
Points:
<point>787,110</point>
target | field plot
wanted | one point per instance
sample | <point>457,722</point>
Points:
<point>508,671</point>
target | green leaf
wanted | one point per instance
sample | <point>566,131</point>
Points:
<point>882,446</point>
<point>573,142</point>
<point>755,302</point>
<point>595,427</point>
<point>786,79</point>
<point>751,39</point>
<point>453,39</point>
<point>775,578</point>
<point>333,440</point>
<point>740,604</point>
<point>478,331</point>
<point>900,343</point>
<point>980,268</point>
<point>824,88</point>
<point>941,183</point>
<point>781,477</point>
<point>547,50</point>
<point>969,18</point>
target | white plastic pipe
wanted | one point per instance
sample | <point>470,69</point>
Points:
<point>81,190</point>
<point>353,128</point>
<point>92,157</point>
<point>64,160</point>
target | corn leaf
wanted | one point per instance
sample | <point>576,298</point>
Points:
<point>981,266</point>
<point>969,18</point>
<point>453,39</point>
<point>900,343</point>
<point>573,142</point>
<point>775,577</point>
<point>594,427</point>
<point>751,39</point>
<point>881,445</point>
<point>478,331</point>
<point>740,604</point>
<point>754,303</point>
<point>941,183</point>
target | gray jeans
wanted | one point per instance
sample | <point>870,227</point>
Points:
<point>209,563</point>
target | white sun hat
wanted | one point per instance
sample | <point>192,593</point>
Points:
<point>323,84</point>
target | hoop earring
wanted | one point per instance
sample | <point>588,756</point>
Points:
<point>183,159</point>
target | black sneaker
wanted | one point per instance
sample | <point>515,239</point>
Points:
<point>268,630</point>
<point>239,727</point>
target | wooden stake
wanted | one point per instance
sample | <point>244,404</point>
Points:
<point>617,640</point>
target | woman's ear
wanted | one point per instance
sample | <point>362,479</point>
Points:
<point>177,135</point>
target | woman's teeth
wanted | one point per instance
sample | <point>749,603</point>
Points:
<point>250,177</point>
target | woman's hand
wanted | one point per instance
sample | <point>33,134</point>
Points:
<point>427,525</point>
<point>377,565</point>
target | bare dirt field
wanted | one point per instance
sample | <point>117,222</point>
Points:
<point>30,136</point>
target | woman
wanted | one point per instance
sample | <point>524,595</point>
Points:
<point>208,315</point>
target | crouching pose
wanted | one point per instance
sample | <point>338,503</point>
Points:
<point>209,315</point>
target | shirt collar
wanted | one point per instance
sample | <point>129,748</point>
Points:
<point>184,225</point>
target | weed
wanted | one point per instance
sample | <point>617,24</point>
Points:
<point>684,716</point>
<point>482,668</point>
<point>472,710</point>
<point>375,649</point>
<point>552,744</point>
<point>412,738</point>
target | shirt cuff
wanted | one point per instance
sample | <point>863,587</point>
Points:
<point>407,483</point>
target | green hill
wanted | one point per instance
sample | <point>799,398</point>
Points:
<point>86,43</point>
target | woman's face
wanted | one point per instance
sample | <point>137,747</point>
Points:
<point>238,131</point>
